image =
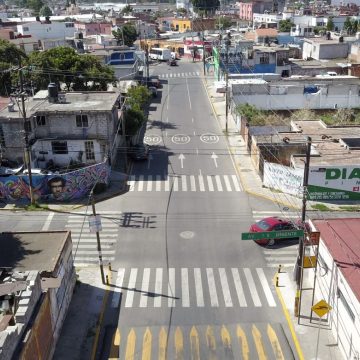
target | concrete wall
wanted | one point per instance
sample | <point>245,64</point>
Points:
<point>76,152</point>
<point>324,51</point>
<point>10,337</point>
<point>292,97</point>
<point>334,289</point>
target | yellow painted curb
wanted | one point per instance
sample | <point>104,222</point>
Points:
<point>288,319</point>
<point>100,320</point>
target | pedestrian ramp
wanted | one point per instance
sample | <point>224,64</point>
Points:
<point>184,183</point>
<point>192,287</point>
<point>201,341</point>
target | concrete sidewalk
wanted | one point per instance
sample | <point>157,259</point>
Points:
<point>304,332</point>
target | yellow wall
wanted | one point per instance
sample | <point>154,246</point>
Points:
<point>182,24</point>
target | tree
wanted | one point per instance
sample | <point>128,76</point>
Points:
<point>10,56</point>
<point>205,6</point>
<point>126,35</point>
<point>64,65</point>
<point>348,25</point>
<point>35,5</point>
<point>330,24</point>
<point>45,11</point>
<point>223,22</point>
<point>138,97</point>
<point>134,119</point>
<point>285,25</point>
<point>182,11</point>
<point>127,10</point>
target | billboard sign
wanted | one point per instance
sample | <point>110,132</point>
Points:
<point>334,183</point>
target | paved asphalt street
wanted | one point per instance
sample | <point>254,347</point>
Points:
<point>186,276</point>
<point>184,285</point>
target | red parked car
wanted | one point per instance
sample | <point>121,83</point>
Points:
<point>272,223</point>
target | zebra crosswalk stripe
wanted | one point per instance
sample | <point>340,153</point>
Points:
<point>230,283</point>
<point>212,288</point>
<point>191,183</point>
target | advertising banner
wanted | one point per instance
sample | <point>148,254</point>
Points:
<point>334,183</point>
<point>283,178</point>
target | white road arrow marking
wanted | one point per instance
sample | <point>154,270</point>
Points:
<point>214,156</point>
<point>182,158</point>
<point>149,160</point>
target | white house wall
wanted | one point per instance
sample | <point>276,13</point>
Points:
<point>54,30</point>
<point>294,98</point>
<point>345,327</point>
<point>75,148</point>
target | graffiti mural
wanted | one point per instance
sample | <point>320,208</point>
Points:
<point>56,187</point>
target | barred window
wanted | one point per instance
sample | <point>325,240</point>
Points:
<point>89,150</point>
<point>59,147</point>
<point>82,121</point>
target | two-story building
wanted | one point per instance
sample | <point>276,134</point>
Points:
<point>75,127</point>
<point>94,28</point>
<point>47,29</point>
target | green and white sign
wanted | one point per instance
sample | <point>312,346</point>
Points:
<point>334,183</point>
<point>281,234</point>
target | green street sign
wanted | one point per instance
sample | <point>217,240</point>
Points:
<point>284,234</point>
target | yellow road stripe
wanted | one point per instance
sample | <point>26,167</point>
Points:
<point>179,344</point>
<point>115,346</point>
<point>147,342</point>
<point>195,344</point>
<point>130,346</point>
<point>162,344</point>
<point>226,340</point>
<point>243,342</point>
<point>288,319</point>
<point>275,343</point>
<point>211,343</point>
<point>258,343</point>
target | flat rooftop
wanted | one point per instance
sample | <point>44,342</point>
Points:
<point>26,251</point>
<point>75,101</point>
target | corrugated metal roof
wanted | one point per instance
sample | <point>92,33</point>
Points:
<point>342,238</point>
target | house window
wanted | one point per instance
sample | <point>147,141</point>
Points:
<point>82,121</point>
<point>264,58</point>
<point>40,120</point>
<point>89,150</point>
<point>25,28</point>
<point>59,147</point>
<point>346,305</point>
<point>2,137</point>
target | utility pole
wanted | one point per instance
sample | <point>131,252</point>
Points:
<point>300,259</point>
<point>147,62</point>
<point>27,153</point>
<point>97,238</point>
<point>226,100</point>
<point>203,38</point>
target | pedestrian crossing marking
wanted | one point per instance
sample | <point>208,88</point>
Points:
<point>145,288</point>
<point>225,286</point>
<point>212,288</point>
<point>117,290</point>
<point>131,288</point>
<point>238,287</point>
<point>266,287</point>
<point>185,288</point>
<point>158,287</point>
<point>85,251</point>
<point>184,183</point>
<point>198,288</point>
<point>190,74</point>
<point>193,285</point>
<point>252,287</point>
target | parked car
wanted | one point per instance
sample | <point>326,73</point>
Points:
<point>273,223</point>
<point>172,62</point>
<point>139,152</point>
<point>153,91</point>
